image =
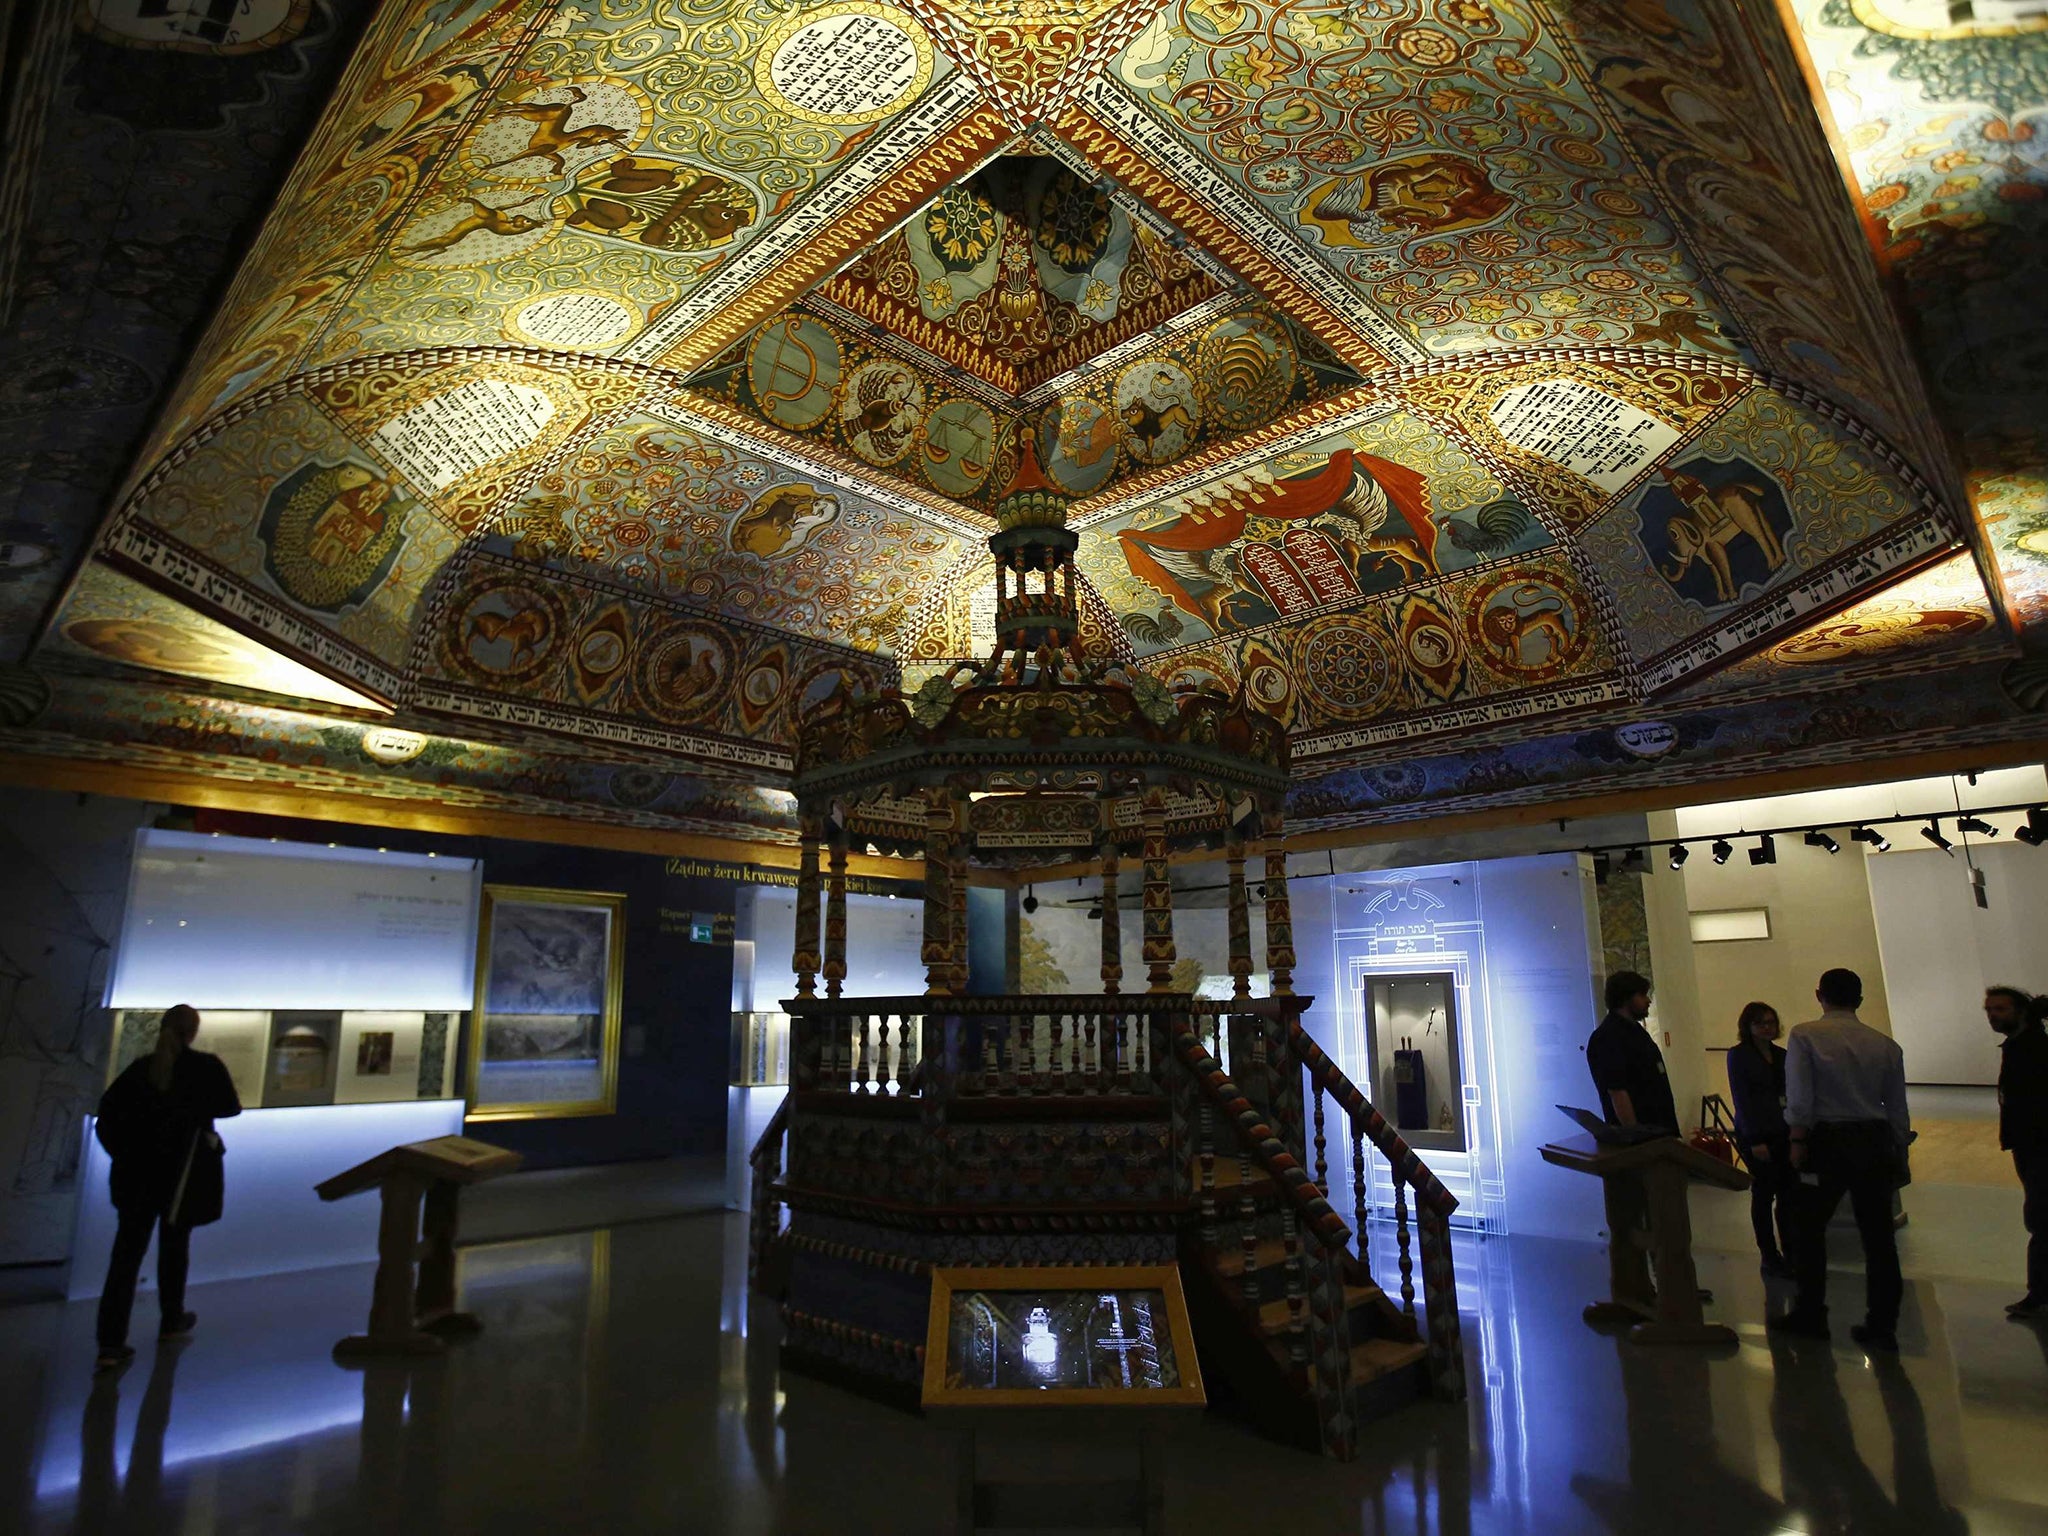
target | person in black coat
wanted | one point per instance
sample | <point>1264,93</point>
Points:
<point>1756,1083</point>
<point>2023,1125</point>
<point>156,1123</point>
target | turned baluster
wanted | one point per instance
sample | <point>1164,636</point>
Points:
<point>1297,1298</point>
<point>1248,1238</point>
<point>1094,1058</point>
<point>1207,1157</point>
<point>1360,1205</point>
<point>902,1052</point>
<point>1076,1081</point>
<point>1058,1076</point>
<point>1401,1238</point>
<point>1322,1158</point>
<point>991,1056</point>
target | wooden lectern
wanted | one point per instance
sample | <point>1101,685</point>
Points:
<point>1645,1187</point>
<point>428,1175</point>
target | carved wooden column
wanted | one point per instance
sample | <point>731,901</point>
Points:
<point>835,913</point>
<point>1279,917</point>
<point>804,961</point>
<point>1240,917</point>
<point>1112,921</point>
<point>1158,943</point>
<point>938,896</point>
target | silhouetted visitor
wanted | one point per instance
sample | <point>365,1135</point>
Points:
<point>2023,1125</point>
<point>1756,1083</point>
<point>1845,1110</point>
<point>1628,1069</point>
<point>156,1123</point>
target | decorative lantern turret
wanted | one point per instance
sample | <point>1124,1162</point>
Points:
<point>1034,548</point>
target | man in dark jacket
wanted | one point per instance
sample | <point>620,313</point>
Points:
<point>2023,1125</point>
<point>1628,1069</point>
<point>156,1123</point>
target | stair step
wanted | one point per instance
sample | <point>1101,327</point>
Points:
<point>1274,1318</point>
<point>1229,1175</point>
<point>1229,1259</point>
<point>1382,1357</point>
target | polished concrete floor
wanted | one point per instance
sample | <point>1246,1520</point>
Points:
<point>624,1385</point>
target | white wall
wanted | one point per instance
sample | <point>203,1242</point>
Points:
<point>1941,950</point>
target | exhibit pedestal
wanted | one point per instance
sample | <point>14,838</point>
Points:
<point>1649,1224</point>
<point>419,1184</point>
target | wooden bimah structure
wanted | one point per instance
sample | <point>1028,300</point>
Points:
<point>419,1184</point>
<point>1649,1225</point>
<point>1140,1127</point>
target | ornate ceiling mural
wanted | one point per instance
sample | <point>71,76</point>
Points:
<point>1429,369</point>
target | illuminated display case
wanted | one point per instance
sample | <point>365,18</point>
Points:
<point>760,1050</point>
<point>287,1057</point>
<point>1411,1023</point>
<point>1060,1336</point>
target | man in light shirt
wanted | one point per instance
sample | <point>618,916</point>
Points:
<point>1845,1105</point>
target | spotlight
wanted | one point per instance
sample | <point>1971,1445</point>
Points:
<point>1095,913</point>
<point>1679,854</point>
<point>1632,859</point>
<point>1603,865</point>
<point>1978,825</point>
<point>1932,832</point>
<point>1765,851</point>
<point>1723,850</point>
<point>2035,832</point>
<point>1030,901</point>
<point>1822,840</point>
<point>1872,836</point>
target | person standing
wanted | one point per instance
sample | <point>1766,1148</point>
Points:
<point>1628,1069</point>
<point>1846,1119</point>
<point>1756,1084</point>
<point>156,1124</point>
<point>2023,1125</point>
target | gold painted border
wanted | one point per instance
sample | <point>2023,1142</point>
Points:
<point>1164,1278</point>
<point>773,39</point>
<point>614,991</point>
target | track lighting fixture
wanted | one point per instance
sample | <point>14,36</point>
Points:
<point>1632,860</point>
<point>2035,832</point>
<point>1819,839</point>
<point>1679,854</point>
<point>1978,825</point>
<point>1723,850</point>
<point>1872,836</point>
<point>1095,913</point>
<point>1932,832</point>
<point>1603,865</point>
<point>1030,901</point>
<point>1765,851</point>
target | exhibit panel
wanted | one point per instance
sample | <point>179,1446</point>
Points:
<point>1462,995</point>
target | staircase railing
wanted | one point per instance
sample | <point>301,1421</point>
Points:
<point>1433,1207</point>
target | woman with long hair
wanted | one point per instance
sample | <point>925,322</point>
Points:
<point>156,1123</point>
<point>1756,1082</point>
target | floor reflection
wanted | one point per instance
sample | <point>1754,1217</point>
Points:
<point>624,1382</point>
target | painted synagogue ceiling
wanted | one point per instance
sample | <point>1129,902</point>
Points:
<point>1435,371</point>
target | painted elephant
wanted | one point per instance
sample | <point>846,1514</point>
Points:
<point>1709,521</point>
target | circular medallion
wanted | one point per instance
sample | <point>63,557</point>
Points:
<point>1157,410</point>
<point>851,62</point>
<point>1527,627</point>
<point>637,788</point>
<point>685,673</point>
<point>1077,444</point>
<point>1247,363</point>
<point>959,444</point>
<point>601,652</point>
<point>389,745</point>
<point>880,408</point>
<point>574,320</point>
<point>792,368</point>
<point>1347,669</point>
<point>505,632</point>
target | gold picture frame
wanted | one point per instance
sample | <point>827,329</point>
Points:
<point>550,1016</point>
<point>1123,1280</point>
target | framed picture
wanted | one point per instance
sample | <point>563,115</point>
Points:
<point>544,1038</point>
<point>1100,1335</point>
<point>1417,1064</point>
